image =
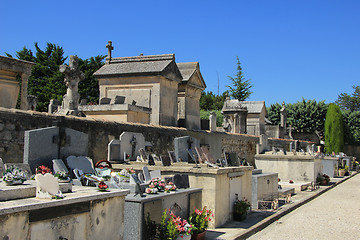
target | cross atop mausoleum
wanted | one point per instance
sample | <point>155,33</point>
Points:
<point>110,47</point>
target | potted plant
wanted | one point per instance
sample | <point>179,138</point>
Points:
<point>241,208</point>
<point>14,176</point>
<point>200,221</point>
<point>174,228</point>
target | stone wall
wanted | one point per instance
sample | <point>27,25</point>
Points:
<point>13,124</point>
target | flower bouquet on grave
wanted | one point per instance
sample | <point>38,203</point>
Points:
<point>62,176</point>
<point>102,187</point>
<point>174,227</point>
<point>170,187</point>
<point>125,174</point>
<point>158,183</point>
<point>14,176</point>
<point>200,221</point>
<point>151,190</point>
<point>43,170</point>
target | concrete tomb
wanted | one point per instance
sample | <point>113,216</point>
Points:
<point>264,187</point>
<point>235,116</point>
<point>130,143</point>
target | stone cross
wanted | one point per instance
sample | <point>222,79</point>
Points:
<point>73,76</point>
<point>110,47</point>
<point>133,146</point>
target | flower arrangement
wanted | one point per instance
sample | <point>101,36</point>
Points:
<point>14,175</point>
<point>42,170</point>
<point>181,225</point>
<point>200,219</point>
<point>102,186</point>
<point>170,187</point>
<point>172,227</point>
<point>241,206</point>
<point>151,190</point>
<point>126,172</point>
<point>61,175</point>
<point>157,183</point>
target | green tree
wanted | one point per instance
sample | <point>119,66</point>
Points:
<point>210,101</point>
<point>334,129</point>
<point>351,126</point>
<point>205,114</point>
<point>241,86</point>
<point>306,116</point>
<point>350,102</point>
<point>89,87</point>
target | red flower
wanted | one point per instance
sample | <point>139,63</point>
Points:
<point>103,185</point>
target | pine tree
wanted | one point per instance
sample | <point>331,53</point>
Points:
<point>334,130</point>
<point>241,86</point>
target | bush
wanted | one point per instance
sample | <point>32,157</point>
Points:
<point>334,130</point>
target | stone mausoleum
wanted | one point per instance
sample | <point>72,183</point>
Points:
<point>150,89</point>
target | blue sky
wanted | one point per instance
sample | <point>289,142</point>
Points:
<point>289,49</point>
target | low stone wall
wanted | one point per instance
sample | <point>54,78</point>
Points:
<point>13,124</point>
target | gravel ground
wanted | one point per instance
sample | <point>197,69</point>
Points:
<point>333,215</point>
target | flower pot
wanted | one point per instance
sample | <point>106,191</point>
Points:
<point>198,236</point>
<point>342,172</point>
<point>183,237</point>
<point>239,216</point>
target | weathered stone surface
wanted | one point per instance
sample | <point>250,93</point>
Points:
<point>6,135</point>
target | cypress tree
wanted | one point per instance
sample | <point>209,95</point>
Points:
<point>334,130</point>
<point>241,86</point>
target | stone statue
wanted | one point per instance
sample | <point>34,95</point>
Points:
<point>227,124</point>
<point>73,76</point>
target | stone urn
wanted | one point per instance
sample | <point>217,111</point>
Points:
<point>198,236</point>
<point>342,172</point>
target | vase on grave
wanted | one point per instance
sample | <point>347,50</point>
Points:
<point>14,182</point>
<point>342,172</point>
<point>198,236</point>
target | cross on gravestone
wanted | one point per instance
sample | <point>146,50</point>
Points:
<point>133,145</point>
<point>110,47</point>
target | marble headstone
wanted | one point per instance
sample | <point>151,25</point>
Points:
<point>131,142</point>
<point>155,174</point>
<point>181,180</point>
<point>46,186</point>
<point>114,153</point>
<point>146,174</point>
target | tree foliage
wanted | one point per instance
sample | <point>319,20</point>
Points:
<point>350,102</point>
<point>205,114</point>
<point>240,88</point>
<point>351,126</point>
<point>334,130</point>
<point>210,101</point>
<point>306,116</point>
<point>47,82</point>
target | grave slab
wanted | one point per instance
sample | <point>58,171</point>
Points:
<point>82,163</point>
<point>182,144</point>
<point>114,153</point>
<point>59,165</point>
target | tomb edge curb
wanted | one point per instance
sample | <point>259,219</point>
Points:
<point>269,220</point>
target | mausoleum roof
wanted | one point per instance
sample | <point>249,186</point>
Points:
<point>152,65</point>
<point>15,65</point>
<point>190,69</point>
<point>233,105</point>
<point>253,106</point>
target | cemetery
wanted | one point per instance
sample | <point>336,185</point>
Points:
<point>91,171</point>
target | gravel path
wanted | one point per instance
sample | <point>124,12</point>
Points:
<point>333,215</point>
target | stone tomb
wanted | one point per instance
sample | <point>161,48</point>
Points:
<point>264,186</point>
<point>43,144</point>
<point>83,214</point>
<point>130,143</point>
<point>219,185</point>
<point>182,145</point>
<point>298,168</point>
